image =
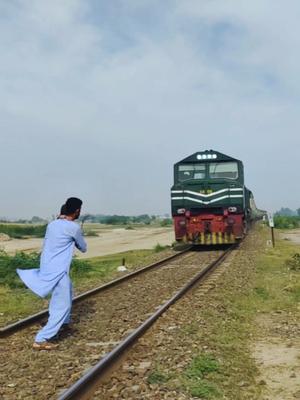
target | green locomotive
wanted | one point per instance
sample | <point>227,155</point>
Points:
<point>210,202</point>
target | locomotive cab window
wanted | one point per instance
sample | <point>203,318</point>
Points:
<point>191,171</point>
<point>223,170</point>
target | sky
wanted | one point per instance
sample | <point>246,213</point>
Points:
<point>98,99</point>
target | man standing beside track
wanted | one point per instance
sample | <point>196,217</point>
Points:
<point>53,275</point>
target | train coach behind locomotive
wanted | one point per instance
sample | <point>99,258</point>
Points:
<point>210,203</point>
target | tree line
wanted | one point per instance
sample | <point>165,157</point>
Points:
<point>114,219</point>
<point>144,219</point>
<point>286,218</point>
<point>288,212</point>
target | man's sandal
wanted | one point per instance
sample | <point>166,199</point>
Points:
<point>44,346</point>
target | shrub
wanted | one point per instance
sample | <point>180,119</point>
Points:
<point>9,264</point>
<point>159,248</point>
<point>286,222</point>
<point>91,233</point>
<point>19,231</point>
<point>166,222</point>
<point>79,268</point>
<point>294,262</point>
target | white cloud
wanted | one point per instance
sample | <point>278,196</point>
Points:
<point>80,113</point>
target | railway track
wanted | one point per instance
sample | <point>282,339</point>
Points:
<point>25,322</point>
<point>106,326</point>
<point>84,386</point>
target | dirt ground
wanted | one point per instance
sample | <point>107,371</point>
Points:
<point>277,355</point>
<point>108,241</point>
<point>293,236</point>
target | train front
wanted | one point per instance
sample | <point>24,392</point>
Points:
<point>208,199</point>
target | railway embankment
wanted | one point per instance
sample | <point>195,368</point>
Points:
<point>235,337</point>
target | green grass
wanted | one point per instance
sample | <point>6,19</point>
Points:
<point>264,281</point>
<point>278,276</point>
<point>201,366</point>
<point>262,293</point>
<point>273,286</point>
<point>199,376</point>
<point>18,303</point>
<point>157,377</point>
<point>105,264</point>
<point>19,231</point>
<point>158,248</point>
<point>204,390</point>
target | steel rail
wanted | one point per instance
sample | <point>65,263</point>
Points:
<point>23,323</point>
<point>79,388</point>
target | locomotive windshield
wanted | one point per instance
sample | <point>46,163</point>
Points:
<point>223,170</point>
<point>213,170</point>
<point>191,171</point>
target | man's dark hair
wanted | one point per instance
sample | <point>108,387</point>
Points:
<point>71,205</point>
<point>63,210</point>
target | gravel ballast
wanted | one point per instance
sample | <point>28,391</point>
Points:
<point>156,366</point>
<point>100,323</point>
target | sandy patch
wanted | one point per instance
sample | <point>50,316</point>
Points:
<point>293,236</point>
<point>280,369</point>
<point>109,241</point>
<point>278,359</point>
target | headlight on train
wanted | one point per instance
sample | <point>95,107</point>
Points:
<point>232,209</point>
<point>181,211</point>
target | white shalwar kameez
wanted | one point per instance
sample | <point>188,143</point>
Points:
<point>53,275</point>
